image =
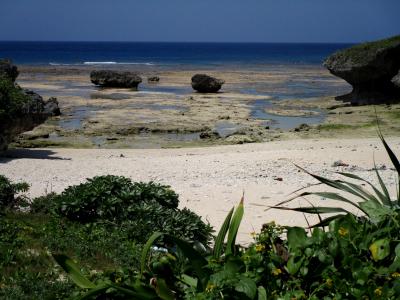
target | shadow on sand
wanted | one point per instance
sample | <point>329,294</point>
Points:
<point>28,154</point>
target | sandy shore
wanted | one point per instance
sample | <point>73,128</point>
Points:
<point>209,180</point>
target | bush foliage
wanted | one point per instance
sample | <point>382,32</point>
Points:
<point>13,101</point>
<point>9,197</point>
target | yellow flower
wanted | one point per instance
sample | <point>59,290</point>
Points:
<point>329,283</point>
<point>276,271</point>
<point>260,247</point>
<point>210,287</point>
<point>343,231</point>
<point>378,291</point>
<point>395,274</point>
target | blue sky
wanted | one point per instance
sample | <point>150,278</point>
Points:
<point>200,20</point>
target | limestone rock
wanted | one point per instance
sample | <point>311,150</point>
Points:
<point>153,79</point>
<point>106,78</point>
<point>22,110</point>
<point>51,107</point>
<point>206,84</point>
<point>369,68</point>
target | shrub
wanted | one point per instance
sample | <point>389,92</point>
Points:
<point>13,101</point>
<point>8,193</point>
<point>43,204</point>
<point>113,198</point>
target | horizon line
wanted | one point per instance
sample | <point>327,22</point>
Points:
<point>173,42</point>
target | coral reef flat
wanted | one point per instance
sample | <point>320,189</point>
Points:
<point>170,113</point>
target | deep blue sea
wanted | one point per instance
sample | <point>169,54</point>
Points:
<point>166,54</point>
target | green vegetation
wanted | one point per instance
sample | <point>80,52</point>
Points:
<point>8,194</point>
<point>351,254</point>
<point>104,223</point>
<point>365,51</point>
<point>13,101</point>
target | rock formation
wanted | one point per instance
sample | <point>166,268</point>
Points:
<point>369,68</point>
<point>106,78</point>
<point>20,110</point>
<point>206,84</point>
<point>153,79</point>
<point>7,69</point>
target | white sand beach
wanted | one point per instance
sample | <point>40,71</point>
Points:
<point>210,180</point>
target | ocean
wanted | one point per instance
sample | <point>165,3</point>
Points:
<point>166,54</point>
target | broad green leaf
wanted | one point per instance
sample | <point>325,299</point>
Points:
<point>246,286</point>
<point>196,260</point>
<point>146,250</point>
<point>380,249</point>
<point>219,241</point>
<point>293,265</point>
<point>234,228</point>
<point>296,237</point>
<point>163,291</point>
<point>262,293</point>
<point>99,290</point>
<point>135,294</point>
<point>189,280</point>
<point>73,271</point>
<point>375,211</point>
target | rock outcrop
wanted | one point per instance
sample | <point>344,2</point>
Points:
<point>106,78</point>
<point>7,69</point>
<point>206,84</point>
<point>20,110</point>
<point>153,79</point>
<point>396,80</point>
<point>369,68</point>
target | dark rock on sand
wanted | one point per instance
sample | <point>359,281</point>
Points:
<point>208,134</point>
<point>8,69</point>
<point>51,107</point>
<point>302,127</point>
<point>106,78</point>
<point>206,84</point>
<point>369,68</point>
<point>396,80</point>
<point>153,79</point>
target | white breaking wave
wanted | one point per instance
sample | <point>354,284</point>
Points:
<point>116,63</point>
<point>101,63</point>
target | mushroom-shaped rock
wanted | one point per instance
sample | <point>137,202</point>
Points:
<point>206,84</point>
<point>107,78</point>
<point>369,68</point>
